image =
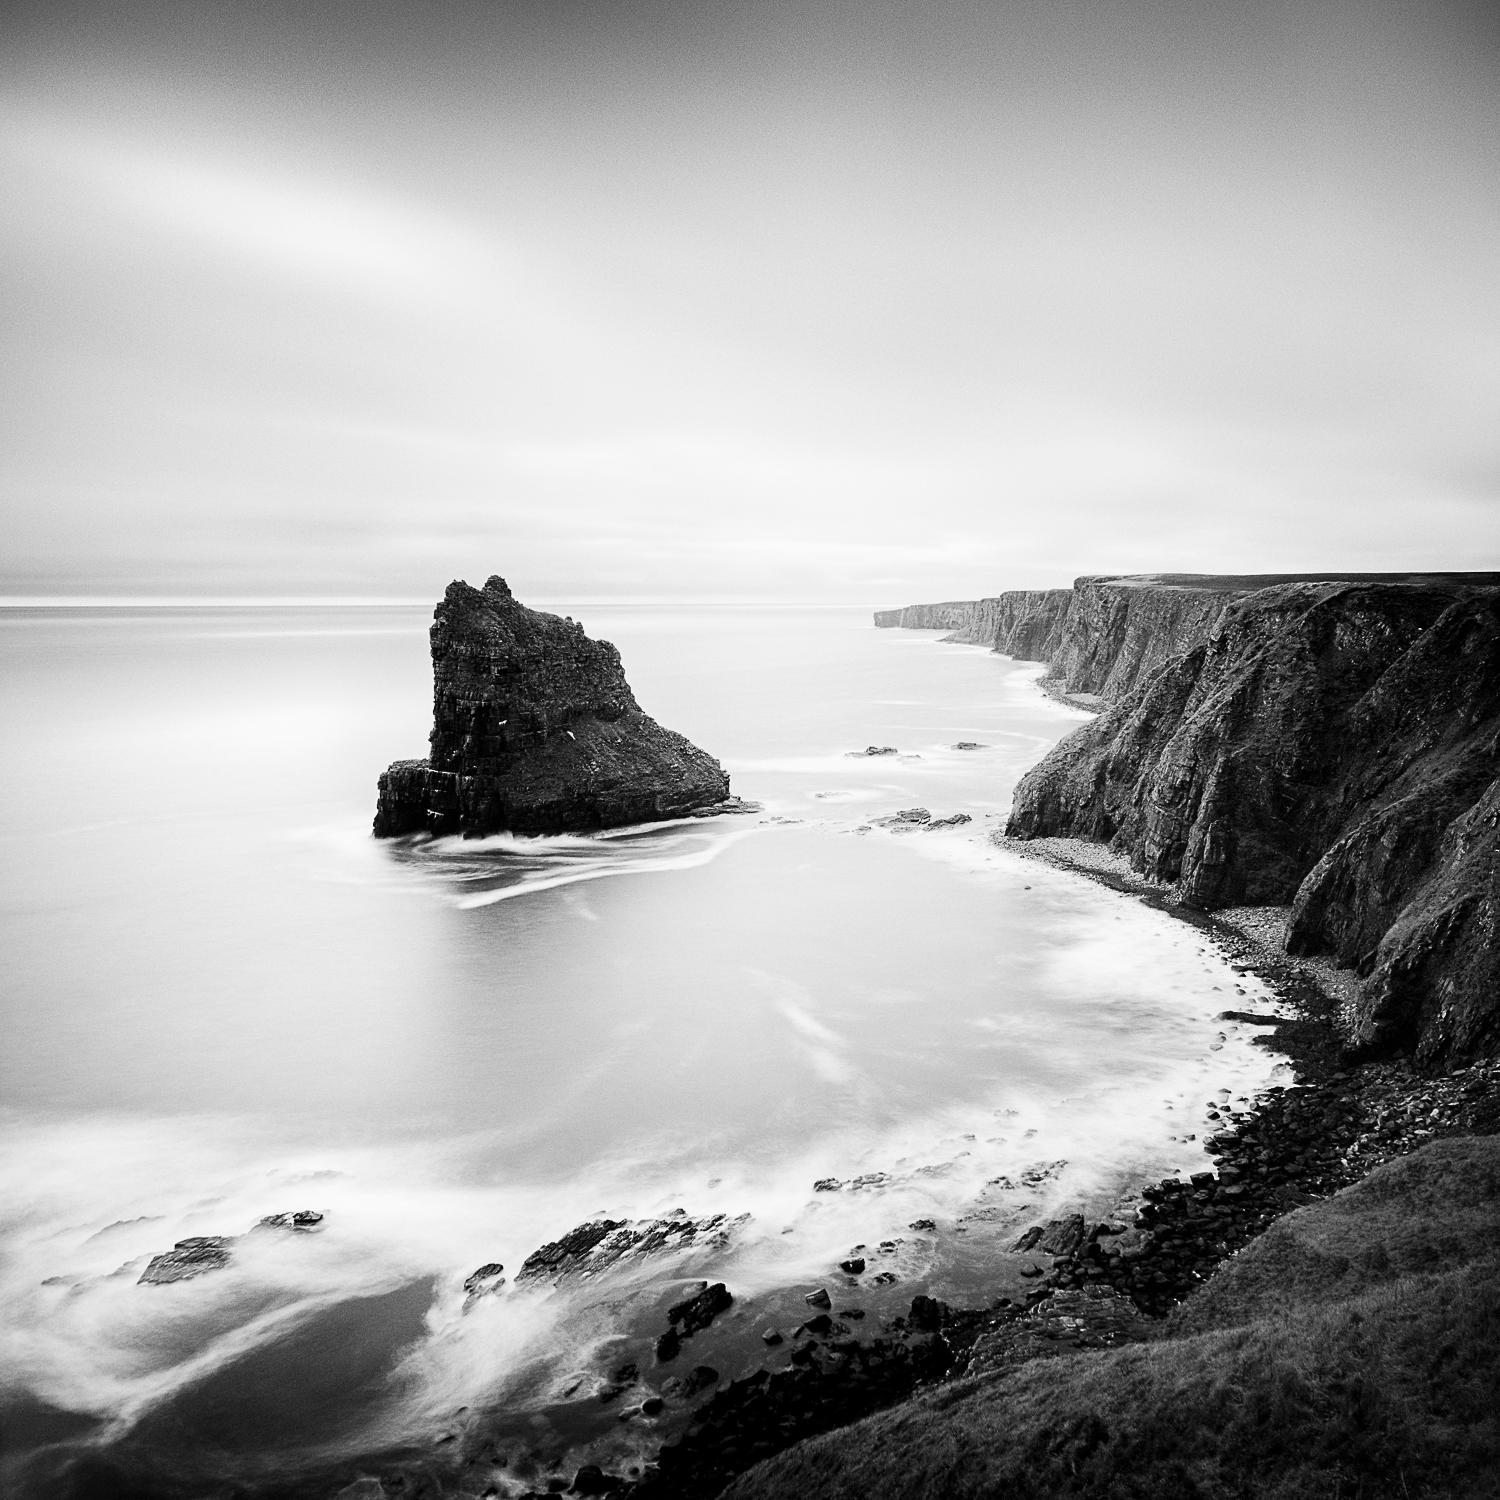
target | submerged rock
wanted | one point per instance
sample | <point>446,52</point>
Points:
<point>956,820</point>
<point>201,1253</point>
<point>592,1246</point>
<point>188,1258</point>
<point>484,1282</point>
<point>535,730</point>
<point>905,821</point>
<point>697,1312</point>
<point>302,1220</point>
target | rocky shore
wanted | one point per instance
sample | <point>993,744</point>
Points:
<point>701,1413</point>
<point>1095,1284</point>
<point>1111,1281</point>
<point>1099,1284</point>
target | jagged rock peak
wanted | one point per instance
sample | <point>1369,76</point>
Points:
<point>536,730</point>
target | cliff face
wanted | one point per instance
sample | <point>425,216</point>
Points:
<point>1331,742</point>
<point>1118,631</point>
<point>1024,623</point>
<point>535,730</point>
<point>954,616</point>
<point>1332,745</point>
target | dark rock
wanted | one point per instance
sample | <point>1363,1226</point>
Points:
<point>303,1219</point>
<point>827,1185</point>
<point>1061,1236</point>
<point>564,1254</point>
<point>699,1378</point>
<point>1332,742</point>
<point>819,1298</point>
<point>970,745</point>
<point>188,1258</point>
<point>926,1314</point>
<point>484,1282</point>
<point>875,750</point>
<point>485,1278</point>
<point>853,1266</point>
<point>535,730</point>
<point>668,1346</point>
<point>700,1310</point>
<point>922,1224</point>
<point>771,1336</point>
<point>956,821</point>
<point>592,1480</point>
<point>590,1248</point>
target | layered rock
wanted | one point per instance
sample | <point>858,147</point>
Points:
<point>1117,631</point>
<point>1323,741</point>
<point>1334,746</point>
<point>1024,623</point>
<point>952,616</point>
<point>535,730</point>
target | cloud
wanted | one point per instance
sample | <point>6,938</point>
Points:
<point>327,230</point>
<point>981,297</point>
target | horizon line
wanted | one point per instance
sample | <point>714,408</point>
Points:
<point>379,601</point>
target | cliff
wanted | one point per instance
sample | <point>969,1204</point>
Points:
<point>535,730</point>
<point>1331,743</point>
<point>955,616</point>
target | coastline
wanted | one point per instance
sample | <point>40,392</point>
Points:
<point>847,1362</point>
<point>1340,1119</point>
<point>1110,1282</point>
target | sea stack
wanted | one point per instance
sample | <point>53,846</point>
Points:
<point>535,730</point>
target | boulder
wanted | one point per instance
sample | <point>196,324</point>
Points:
<point>698,1311</point>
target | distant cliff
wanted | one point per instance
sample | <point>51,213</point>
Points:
<point>1024,622</point>
<point>1331,743</point>
<point>535,730</point>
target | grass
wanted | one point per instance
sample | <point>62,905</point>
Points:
<point>1317,1373</point>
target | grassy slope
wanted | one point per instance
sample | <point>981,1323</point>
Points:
<point>1353,1350</point>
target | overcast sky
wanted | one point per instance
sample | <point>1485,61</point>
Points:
<point>873,302</point>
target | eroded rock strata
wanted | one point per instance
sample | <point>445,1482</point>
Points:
<point>1023,622</point>
<point>1332,743</point>
<point>535,730</point>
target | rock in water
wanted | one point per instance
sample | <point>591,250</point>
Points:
<point>535,730</point>
<point>188,1258</point>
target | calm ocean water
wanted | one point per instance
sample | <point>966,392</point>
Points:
<point>222,999</point>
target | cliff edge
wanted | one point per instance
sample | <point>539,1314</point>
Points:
<point>535,730</point>
<point>1328,742</point>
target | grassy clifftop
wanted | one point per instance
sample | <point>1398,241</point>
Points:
<point>1352,1350</point>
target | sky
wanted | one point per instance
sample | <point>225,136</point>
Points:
<point>800,299</point>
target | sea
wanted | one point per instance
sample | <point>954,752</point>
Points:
<point>223,1000</point>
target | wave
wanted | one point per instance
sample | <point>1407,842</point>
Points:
<point>511,865</point>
